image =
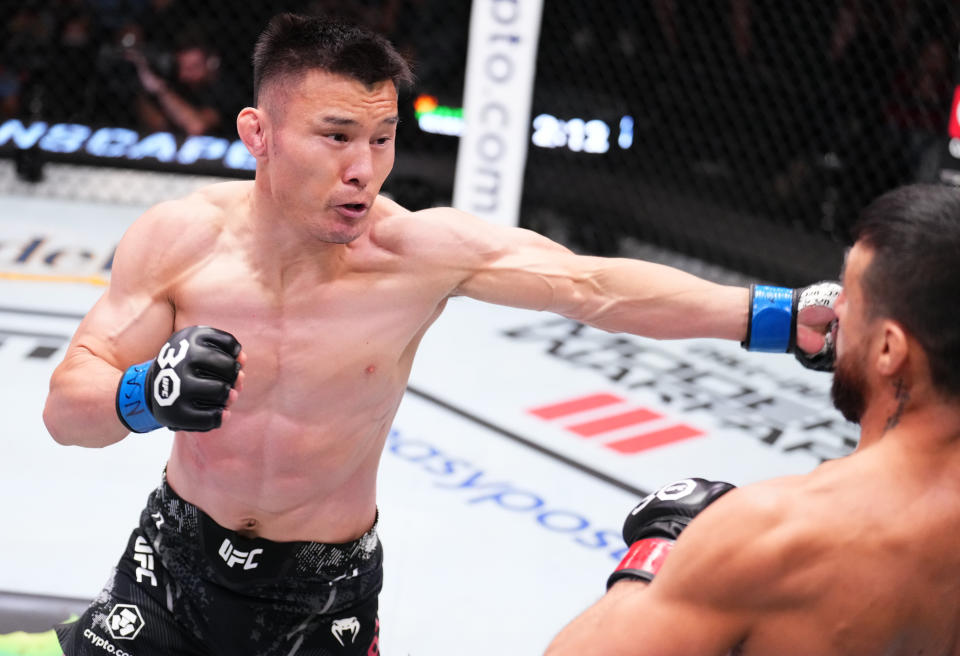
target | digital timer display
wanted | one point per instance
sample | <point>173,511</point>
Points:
<point>548,131</point>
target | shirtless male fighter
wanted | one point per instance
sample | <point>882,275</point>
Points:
<point>261,538</point>
<point>858,557</point>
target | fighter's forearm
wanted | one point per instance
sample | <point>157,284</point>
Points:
<point>597,630</point>
<point>653,300</point>
<point>81,407</point>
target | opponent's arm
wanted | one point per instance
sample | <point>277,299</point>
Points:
<point>707,589</point>
<point>126,326</point>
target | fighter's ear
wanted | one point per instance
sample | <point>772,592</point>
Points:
<point>894,349</point>
<point>251,126</point>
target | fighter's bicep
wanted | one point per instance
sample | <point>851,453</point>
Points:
<point>633,619</point>
<point>685,621</point>
<point>135,313</point>
<point>475,258</point>
<point>123,328</point>
<point>521,268</point>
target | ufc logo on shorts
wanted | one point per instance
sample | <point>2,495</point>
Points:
<point>143,554</point>
<point>232,556</point>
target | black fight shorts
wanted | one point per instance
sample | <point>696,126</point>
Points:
<point>186,585</point>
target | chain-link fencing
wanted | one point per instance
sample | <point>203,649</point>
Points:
<point>746,133</point>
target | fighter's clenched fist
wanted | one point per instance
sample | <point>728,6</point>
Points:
<point>656,522</point>
<point>186,387</point>
<point>799,321</point>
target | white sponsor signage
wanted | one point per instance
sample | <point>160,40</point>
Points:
<point>501,61</point>
<point>60,241</point>
<point>125,144</point>
<point>642,411</point>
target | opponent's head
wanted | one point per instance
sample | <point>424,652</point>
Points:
<point>325,121</point>
<point>898,312</point>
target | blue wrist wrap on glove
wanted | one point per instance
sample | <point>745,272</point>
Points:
<point>132,407</point>
<point>771,319</point>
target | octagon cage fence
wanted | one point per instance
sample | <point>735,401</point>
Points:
<point>741,134</point>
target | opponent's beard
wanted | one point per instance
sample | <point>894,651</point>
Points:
<point>849,389</point>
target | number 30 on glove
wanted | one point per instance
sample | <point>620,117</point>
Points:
<point>186,387</point>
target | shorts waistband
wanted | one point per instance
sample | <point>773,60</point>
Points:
<point>234,558</point>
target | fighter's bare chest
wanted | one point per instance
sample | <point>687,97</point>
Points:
<point>353,325</point>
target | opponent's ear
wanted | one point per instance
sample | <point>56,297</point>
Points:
<point>894,348</point>
<point>251,128</point>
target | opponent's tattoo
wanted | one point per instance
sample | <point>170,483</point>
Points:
<point>902,395</point>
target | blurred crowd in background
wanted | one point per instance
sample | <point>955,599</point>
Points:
<point>797,110</point>
<point>884,61</point>
<point>107,61</point>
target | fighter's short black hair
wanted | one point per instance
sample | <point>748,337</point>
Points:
<point>914,277</point>
<point>292,45</point>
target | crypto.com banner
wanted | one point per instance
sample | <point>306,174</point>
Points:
<point>501,60</point>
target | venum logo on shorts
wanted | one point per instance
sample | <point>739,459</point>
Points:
<point>233,556</point>
<point>124,622</point>
<point>347,625</point>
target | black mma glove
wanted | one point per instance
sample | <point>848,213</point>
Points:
<point>186,387</point>
<point>656,522</point>
<point>772,326</point>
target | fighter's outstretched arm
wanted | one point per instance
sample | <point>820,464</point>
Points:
<point>520,268</point>
<point>614,294</point>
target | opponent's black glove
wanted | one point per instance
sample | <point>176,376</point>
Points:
<point>656,522</point>
<point>186,387</point>
<point>772,326</point>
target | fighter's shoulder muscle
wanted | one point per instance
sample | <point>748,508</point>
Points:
<point>762,546</point>
<point>449,234</point>
<point>170,237</point>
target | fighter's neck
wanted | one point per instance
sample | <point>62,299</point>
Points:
<point>282,248</point>
<point>928,425</point>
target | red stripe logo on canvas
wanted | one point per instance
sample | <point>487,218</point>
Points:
<point>623,427</point>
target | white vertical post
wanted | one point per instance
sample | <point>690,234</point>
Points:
<point>501,61</point>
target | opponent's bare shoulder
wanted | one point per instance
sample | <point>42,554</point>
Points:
<point>737,562</point>
<point>761,544</point>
